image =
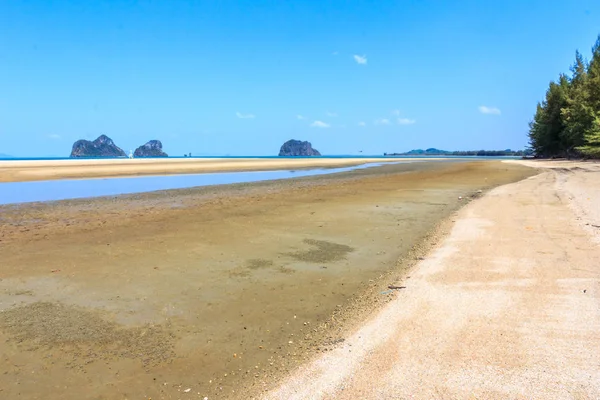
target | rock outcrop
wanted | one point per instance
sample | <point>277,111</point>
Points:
<point>151,149</point>
<point>101,147</point>
<point>297,148</point>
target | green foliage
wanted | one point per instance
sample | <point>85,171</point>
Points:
<point>478,153</point>
<point>567,122</point>
<point>546,131</point>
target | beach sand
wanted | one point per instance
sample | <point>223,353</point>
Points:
<point>22,170</point>
<point>219,290</point>
<point>506,307</point>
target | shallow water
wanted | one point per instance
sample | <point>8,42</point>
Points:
<point>26,192</point>
<point>246,288</point>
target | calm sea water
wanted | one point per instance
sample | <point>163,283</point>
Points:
<point>25,192</point>
<point>258,157</point>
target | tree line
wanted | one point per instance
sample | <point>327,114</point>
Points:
<point>567,122</point>
<point>491,153</point>
<point>480,153</point>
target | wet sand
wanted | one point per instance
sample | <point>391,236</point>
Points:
<point>22,170</point>
<point>506,307</point>
<point>219,290</point>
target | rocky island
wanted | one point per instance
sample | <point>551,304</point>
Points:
<point>151,149</point>
<point>297,148</point>
<point>101,147</point>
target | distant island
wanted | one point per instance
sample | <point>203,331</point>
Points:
<point>101,147</point>
<point>105,147</point>
<point>481,153</point>
<point>297,148</point>
<point>151,149</point>
<point>2,155</point>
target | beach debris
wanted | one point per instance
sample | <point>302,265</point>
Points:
<point>387,292</point>
<point>476,194</point>
<point>460,197</point>
<point>187,390</point>
<point>55,270</point>
<point>394,287</point>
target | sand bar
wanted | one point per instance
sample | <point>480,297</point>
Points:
<point>25,170</point>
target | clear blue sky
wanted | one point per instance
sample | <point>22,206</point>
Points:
<point>233,77</point>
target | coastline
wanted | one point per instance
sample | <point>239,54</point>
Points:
<point>20,170</point>
<point>220,254</point>
<point>516,321</point>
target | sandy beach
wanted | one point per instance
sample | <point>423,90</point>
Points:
<point>19,170</point>
<point>505,307</point>
<point>219,290</point>
<point>278,200</point>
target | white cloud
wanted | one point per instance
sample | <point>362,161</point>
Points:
<point>300,116</point>
<point>244,116</point>
<point>320,124</point>
<point>360,59</point>
<point>54,136</point>
<point>406,121</point>
<point>382,121</point>
<point>489,110</point>
<point>396,113</point>
<point>335,53</point>
<point>331,114</point>
<point>361,123</point>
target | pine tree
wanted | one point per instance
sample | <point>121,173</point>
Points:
<point>546,129</point>
<point>591,106</point>
<point>576,118</point>
<point>567,122</point>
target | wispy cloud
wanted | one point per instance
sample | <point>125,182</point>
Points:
<point>405,121</point>
<point>335,53</point>
<point>360,59</point>
<point>244,116</point>
<point>489,110</point>
<point>320,124</point>
<point>396,113</point>
<point>331,114</point>
<point>382,121</point>
<point>54,136</point>
<point>300,116</point>
<point>361,123</point>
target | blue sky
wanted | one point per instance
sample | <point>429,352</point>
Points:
<point>241,77</point>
